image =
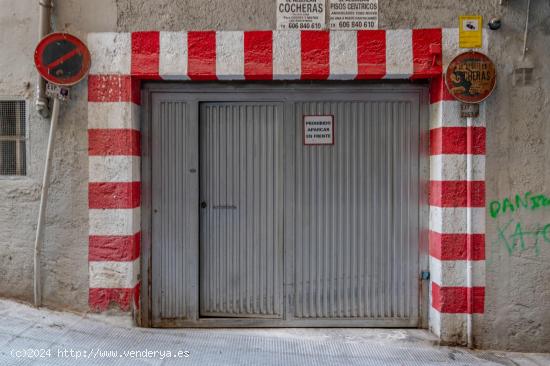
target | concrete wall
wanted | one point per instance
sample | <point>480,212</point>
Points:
<point>65,257</point>
<point>518,150</point>
<point>518,131</point>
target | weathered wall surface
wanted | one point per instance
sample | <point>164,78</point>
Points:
<point>518,266</point>
<point>65,256</point>
<point>518,150</point>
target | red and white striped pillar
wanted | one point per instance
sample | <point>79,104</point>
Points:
<point>457,209</point>
<point>114,189</point>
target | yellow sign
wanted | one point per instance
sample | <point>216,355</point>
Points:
<point>470,32</point>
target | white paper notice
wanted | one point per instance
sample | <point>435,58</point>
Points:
<point>353,14</point>
<point>300,14</point>
<point>318,130</point>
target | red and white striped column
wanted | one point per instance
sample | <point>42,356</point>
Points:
<point>114,190</point>
<point>457,210</point>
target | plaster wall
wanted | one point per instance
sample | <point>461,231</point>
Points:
<point>517,287</point>
<point>65,252</point>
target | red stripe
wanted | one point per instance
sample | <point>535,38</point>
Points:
<point>114,248</point>
<point>456,300</point>
<point>438,90</point>
<point>201,55</point>
<point>145,55</point>
<point>113,142</point>
<point>258,55</point>
<point>455,246</point>
<point>113,88</point>
<point>426,53</point>
<point>457,193</point>
<point>315,47</point>
<point>137,294</point>
<point>458,140</point>
<point>101,299</point>
<point>371,54</point>
<point>114,195</point>
<point>64,58</point>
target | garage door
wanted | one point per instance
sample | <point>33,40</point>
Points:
<point>252,226</point>
<point>356,213</point>
<point>241,200</point>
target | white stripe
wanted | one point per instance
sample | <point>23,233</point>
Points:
<point>486,40</point>
<point>126,221</point>
<point>453,273</point>
<point>454,167</point>
<point>449,45</point>
<point>114,274</point>
<point>434,317</point>
<point>452,220</point>
<point>399,59</point>
<point>447,326</point>
<point>113,115</point>
<point>173,56</point>
<point>230,55</point>
<point>111,53</point>
<point>120,168</point>
<point>287,55</point>
<point>343,55</point>
<point>446,113</point>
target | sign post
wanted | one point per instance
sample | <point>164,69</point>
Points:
<point>62,60</point>
<point>471,78</point>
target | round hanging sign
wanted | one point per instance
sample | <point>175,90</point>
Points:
<point>62,59</point>
<point>471,77</point>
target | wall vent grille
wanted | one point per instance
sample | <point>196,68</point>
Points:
<point>13,137</point>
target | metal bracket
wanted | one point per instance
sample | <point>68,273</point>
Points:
<point>56,91</point>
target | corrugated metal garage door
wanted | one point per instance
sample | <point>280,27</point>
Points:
<point>356,212</point>
<point>241,199</point>
<point>173,208</point>
<point>277,233</point>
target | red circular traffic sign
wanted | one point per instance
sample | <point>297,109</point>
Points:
<point>62,59</point>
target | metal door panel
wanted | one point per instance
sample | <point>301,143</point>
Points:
<point>241,242</point>
<point>174,229</point>
<point>356,212</point>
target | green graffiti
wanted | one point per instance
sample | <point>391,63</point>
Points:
<point>516,239</point>
<point>528,201</point>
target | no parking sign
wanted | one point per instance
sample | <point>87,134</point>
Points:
<point>62,59</point>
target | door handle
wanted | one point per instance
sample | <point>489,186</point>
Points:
<point>225,207</point>
<point>203,204</point>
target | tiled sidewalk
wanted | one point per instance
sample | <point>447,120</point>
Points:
<point>69,339</point>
